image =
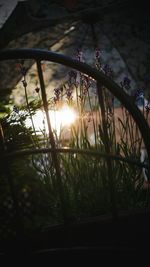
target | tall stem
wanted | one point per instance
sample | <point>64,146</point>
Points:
<point>94,126</point>
<point>28,106</point>
<point>52,141</point>
<point>108,151</point>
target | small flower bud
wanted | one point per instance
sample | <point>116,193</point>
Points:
<point>24,83</point>
<point>15,109</point>
<point>37,89</point>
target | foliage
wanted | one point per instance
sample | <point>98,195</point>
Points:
<point>60,186</point>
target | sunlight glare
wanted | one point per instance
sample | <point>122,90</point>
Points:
<point>59,119</point>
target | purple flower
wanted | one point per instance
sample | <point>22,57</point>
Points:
<point>98,62</point>
<point>139,93</point>
<point>57,93</point>
<point>69,93</point>
<point>147,108</point>
<point>23,71</point>
<point>108,70</point>
<point>85,82</point>
<point>79,55</point>
<point>126,83</point>
<point>98,54</point>
<point>138,97</point>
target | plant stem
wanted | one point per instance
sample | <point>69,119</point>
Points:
<point>52,142</point>
<point>108,151</point>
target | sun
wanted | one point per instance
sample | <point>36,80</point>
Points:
<point>67,116</point>
<point>60,119</point>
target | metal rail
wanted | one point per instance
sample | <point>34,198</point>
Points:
<point>39,55</point>
<point>96,153</point>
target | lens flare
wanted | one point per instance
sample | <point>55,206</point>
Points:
<point>62,118</point>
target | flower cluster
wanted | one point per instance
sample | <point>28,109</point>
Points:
<point>85,83</point>
<point>79,55</point>
<point>57,94</point>
<point>21,68</point>
<point>98,58</point>
<point>24,83</point>
<point>139,94</point>
<point>138,97</point>
<point>147,107</point>
<point>108,70</point>
<point>69,92</point>
<point>98,53</point>
<point>125,83</point>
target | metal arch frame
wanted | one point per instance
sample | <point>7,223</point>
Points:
<point>40,54</point>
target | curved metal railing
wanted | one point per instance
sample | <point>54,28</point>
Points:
<point>38,55</point>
